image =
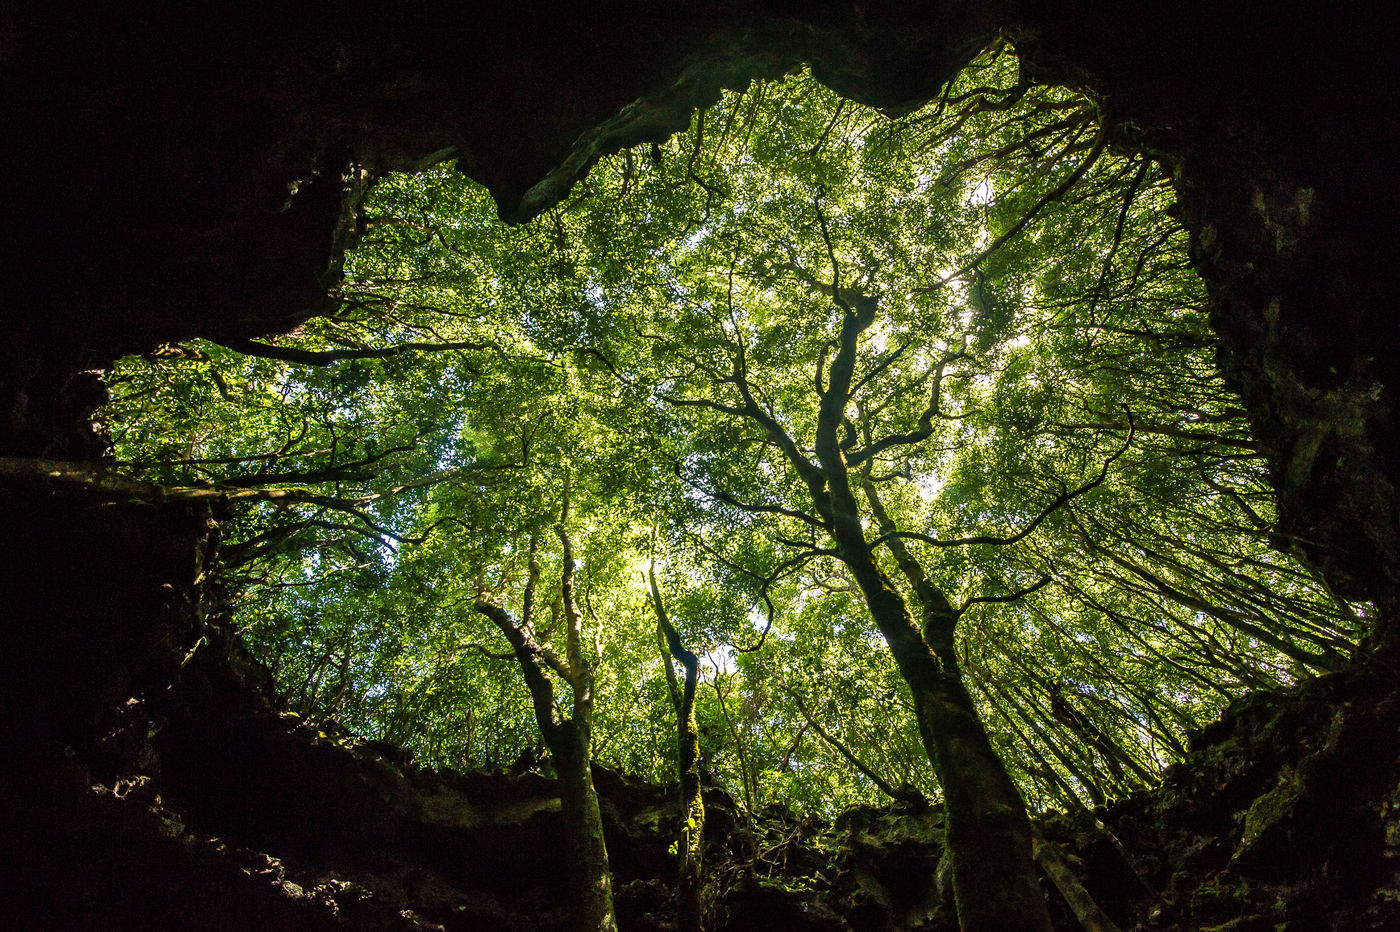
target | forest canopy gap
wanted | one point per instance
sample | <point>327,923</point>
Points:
<point>894,407</point>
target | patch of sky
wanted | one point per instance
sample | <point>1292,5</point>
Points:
<point>980,195</point>
<point>879,336</point>
<point>696,237</point>
<point>929,485</point>
<point>721,660</point>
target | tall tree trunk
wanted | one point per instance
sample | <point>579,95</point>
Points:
<point>569,738</point>
<point>689,885</point>
<point>994,877</point>
<point>583,822</point>
<point>995,882</point>
<point>583,833</point>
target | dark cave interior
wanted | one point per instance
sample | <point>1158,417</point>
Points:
<point>193,172</point>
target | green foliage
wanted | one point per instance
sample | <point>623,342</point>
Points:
<point>1035,303</point>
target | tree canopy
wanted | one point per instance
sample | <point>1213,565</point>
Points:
<point>981,313</point>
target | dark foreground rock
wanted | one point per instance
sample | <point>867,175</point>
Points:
<point>153,782</point>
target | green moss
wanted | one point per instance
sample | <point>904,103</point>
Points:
<point>1269,810</point>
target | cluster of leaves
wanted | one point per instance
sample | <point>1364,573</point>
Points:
<point>1034,311</point>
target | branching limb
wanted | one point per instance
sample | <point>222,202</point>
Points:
<point>674,646</point>
<point>711,191</point>
<point>925,427</point>
<point>528,653</point>
<point>764,582</point>
<point>275,540</point>
<point>831,254</point>
<point>835,117</point>
<point>905,794</point>
<point>1133,187</point>
<point>1009,597</point>
<point>303,357</point>
<point>1059,502</point>
<point>490,654</point>
<point>689,844</point>
<point>888,359</point>
<point>357,470</point>
<point>939,616</point>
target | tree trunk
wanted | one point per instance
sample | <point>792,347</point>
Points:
<point>583,834</point>
<point>689,884</point>
<point>989,840</point>
<point>1090,915</point>
<point>995,882</point>
<point>573,752</point>
<point>569,738</point>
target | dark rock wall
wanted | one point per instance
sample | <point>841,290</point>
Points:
<point>1283,815</point>
<point>1281,128</point>
<point>195,171</point>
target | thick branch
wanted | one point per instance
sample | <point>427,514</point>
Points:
<point>939,616</point>
<point>303,357</point>
<point>527,652</point>
<point>689,844</point>
<point>489,653</point>
<point>1090,915</point>
<point>674,645</point>
<point>925,427</point>
<point>730,499</point>
<point>1059,502</point>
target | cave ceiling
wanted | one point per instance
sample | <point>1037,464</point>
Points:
<point>196,171</point>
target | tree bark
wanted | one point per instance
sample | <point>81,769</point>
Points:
<point>995,883</point>
<point>689,885</point>
<point>1089,913</point>
<point>583,832</point>
<point>569,739</point>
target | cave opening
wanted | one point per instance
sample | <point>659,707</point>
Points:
<point>180,176</point>
<point>1032,419</point>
